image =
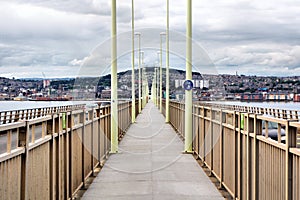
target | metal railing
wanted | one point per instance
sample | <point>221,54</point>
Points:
<point>275,112</point>
<point>12,116</point>
<point>51,157</point>
<point>243,153</point>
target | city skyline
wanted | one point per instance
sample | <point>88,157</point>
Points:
<point>54,38</point>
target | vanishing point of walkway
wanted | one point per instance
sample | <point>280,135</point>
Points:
<point>150,165</point>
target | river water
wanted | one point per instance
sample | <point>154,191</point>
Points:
<point>19,105</point>
<point>22,105</point>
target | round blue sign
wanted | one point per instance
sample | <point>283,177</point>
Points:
<point>188,85</point>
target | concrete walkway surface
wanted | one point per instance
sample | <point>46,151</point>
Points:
<point>150,165</point>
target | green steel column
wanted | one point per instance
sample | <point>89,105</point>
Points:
<point>114,91</point>
<point>167,68</point>
<point>133,74</point>
<point>188,93</point>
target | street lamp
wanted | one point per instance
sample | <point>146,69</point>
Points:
<point>160,73</point>
<point>139,53</point>
<point>132,62</point>
<point>167,67</point>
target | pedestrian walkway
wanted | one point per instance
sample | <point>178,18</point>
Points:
<point>150,165</point>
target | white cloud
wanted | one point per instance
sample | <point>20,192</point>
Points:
<point>252,36</point>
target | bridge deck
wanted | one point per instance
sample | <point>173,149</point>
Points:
<point>150,165</point>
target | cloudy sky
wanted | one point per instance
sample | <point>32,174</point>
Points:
<point>56,38</point>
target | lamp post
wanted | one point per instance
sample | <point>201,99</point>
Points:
<point>158,81</point>
<point>154,86</point>
<point>157,87</point>
<point>139,53</point>
<point>147,87</point>
<point>160,73</point>
<point>132,62</point>
<point>167,67</point>
<point>143,81</point>
<point>114,88</point>
<point>188,93</point>
<point>144,88</point>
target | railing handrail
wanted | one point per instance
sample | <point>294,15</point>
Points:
<point>83,132</point>
<point>276,112</point>
<point>243,152</point>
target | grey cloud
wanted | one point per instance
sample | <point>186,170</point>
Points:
<point>236,34</point>
<point>79,6</point>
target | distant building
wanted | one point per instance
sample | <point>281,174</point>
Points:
<point>204,84</point>
<point>46,83</point>
<point>106,94</point>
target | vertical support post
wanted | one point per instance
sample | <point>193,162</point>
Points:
<point>132,62</point>
<point>83,147</point>
<point>239,156</point>
<point>257,131</point>
<point>157,88</point>
<point>143,82</point>
<point>154,86</point>
<point>247,132</point>
<point>50,131</point>
<point>221,148</point>
<point>160,75</point>
<point>291,142</point>
<point>69,153</point>
<point>139,77</point>
<point>114,88</point>
<point>23,141</point>
<point>188,93</point>
<point>8,147</point>
<point>145,87</point>
<point>167,68</point>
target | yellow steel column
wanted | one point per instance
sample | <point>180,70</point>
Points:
<point>140,103</point>
<point>167,68</point>
<point>160,74</point>
<point>147,88</point>
<point>142,81</point>
<point>154,86</point>
<point>188,93</point>
<point>144,87</point>
<point>133,74</point>
<point>114,91</point>
<point>157,87</point>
